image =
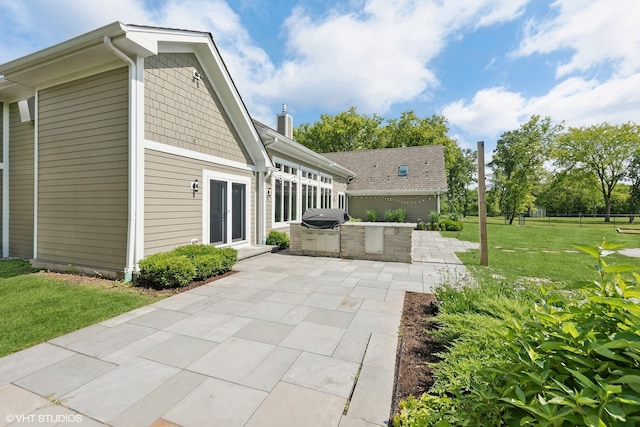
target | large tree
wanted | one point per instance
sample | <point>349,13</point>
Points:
<point>602,150</point>
<point>517,164</point>
<point>346,131</point>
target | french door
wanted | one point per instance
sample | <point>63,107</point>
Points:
<point>226,209</point>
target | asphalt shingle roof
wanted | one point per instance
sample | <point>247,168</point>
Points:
<point>377,170</point>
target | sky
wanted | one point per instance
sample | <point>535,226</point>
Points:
<point>485,65</point>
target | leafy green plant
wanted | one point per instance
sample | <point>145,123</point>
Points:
<point>354,219</point>
<point>279,239</point>
<point>571,358</point>
<point>434,221</point>
<point>372,215</point>
<point>448,224</point>
<point>396,215</point>
<point>574,360</point>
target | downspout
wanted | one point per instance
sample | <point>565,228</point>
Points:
<point>133,143</point>
<point>36,173</point>
<point>5,179</point>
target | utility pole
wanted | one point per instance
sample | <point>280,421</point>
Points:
<point>482,207</point>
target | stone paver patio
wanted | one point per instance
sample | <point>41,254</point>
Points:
<point>279,343</point>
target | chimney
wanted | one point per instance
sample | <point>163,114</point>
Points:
<point>285,123</point>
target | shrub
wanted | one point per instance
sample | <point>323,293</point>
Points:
<point>185,264</point>
<point>420,225</point>
<point>396,215</point>
<point>354,219</point>
<point>372,215</point>
<point>279,239</point>
<point>450,225</point>
<point>166,270</point>
<point>434,221</point>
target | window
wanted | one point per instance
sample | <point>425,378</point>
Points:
<point>403,170</point>
<point>296,189</point>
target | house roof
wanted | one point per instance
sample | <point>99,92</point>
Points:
<point>279,143</point>
<point>89,54</point>
<point>377,171</point>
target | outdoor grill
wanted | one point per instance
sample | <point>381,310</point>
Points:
<point>324,218</point>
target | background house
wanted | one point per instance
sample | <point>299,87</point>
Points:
<point>413,178</point>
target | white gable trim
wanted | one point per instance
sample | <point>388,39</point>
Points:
<point>190,154</point>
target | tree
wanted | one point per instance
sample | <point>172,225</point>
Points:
<point>602,150</point>
<point>459,177</point>
<point>633,174</point>
<point>347,131</point>
<point>518,164</point>
<point>570,193</point>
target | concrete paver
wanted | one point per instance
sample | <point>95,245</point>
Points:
<point>280,342</point>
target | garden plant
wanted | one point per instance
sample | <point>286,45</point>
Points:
<point>531,354</point>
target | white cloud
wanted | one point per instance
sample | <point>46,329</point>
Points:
<point>490,112</point>
<point>375,56</point>
<point>576,101</point>
<point>595,31</point>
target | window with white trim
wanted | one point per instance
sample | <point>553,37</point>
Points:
<point>296,189</point>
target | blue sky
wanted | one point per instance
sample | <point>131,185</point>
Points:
<point>486,65</point>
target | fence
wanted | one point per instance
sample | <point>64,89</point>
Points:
<point>615,220</point>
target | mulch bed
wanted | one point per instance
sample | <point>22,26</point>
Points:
<point>416,348</point>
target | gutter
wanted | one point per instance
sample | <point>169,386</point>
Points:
<point>130,266</point>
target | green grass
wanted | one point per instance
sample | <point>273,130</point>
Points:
<point>542,248</point>
<point>36,308</point>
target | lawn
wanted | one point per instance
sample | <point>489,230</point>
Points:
<point>36,308</point>
<point>541,249</point>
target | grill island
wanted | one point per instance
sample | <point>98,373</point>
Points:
<point>324,218</point>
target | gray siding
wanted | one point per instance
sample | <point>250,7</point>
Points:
<point>173,213</point>
<point>83,171</point>
<point>186,113</point>
<point>416,206</point>
<point>21,142</point>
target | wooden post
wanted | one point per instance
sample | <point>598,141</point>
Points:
<point>482,207</point>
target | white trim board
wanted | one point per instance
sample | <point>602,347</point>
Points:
<point>190,154</point>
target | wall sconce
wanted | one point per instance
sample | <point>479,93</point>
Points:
<point>196,75</point>
<point>269,192</point>
<point>194,186</point>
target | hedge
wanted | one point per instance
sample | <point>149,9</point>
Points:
<point>185,264</point>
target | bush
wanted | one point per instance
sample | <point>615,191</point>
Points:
<point>372,215</point>
<point>166,270</point>
<point>450,225</point>
<point>185,264</point>
<point>354,219</point>
<point>279,239</point>
<point>396,215</point>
